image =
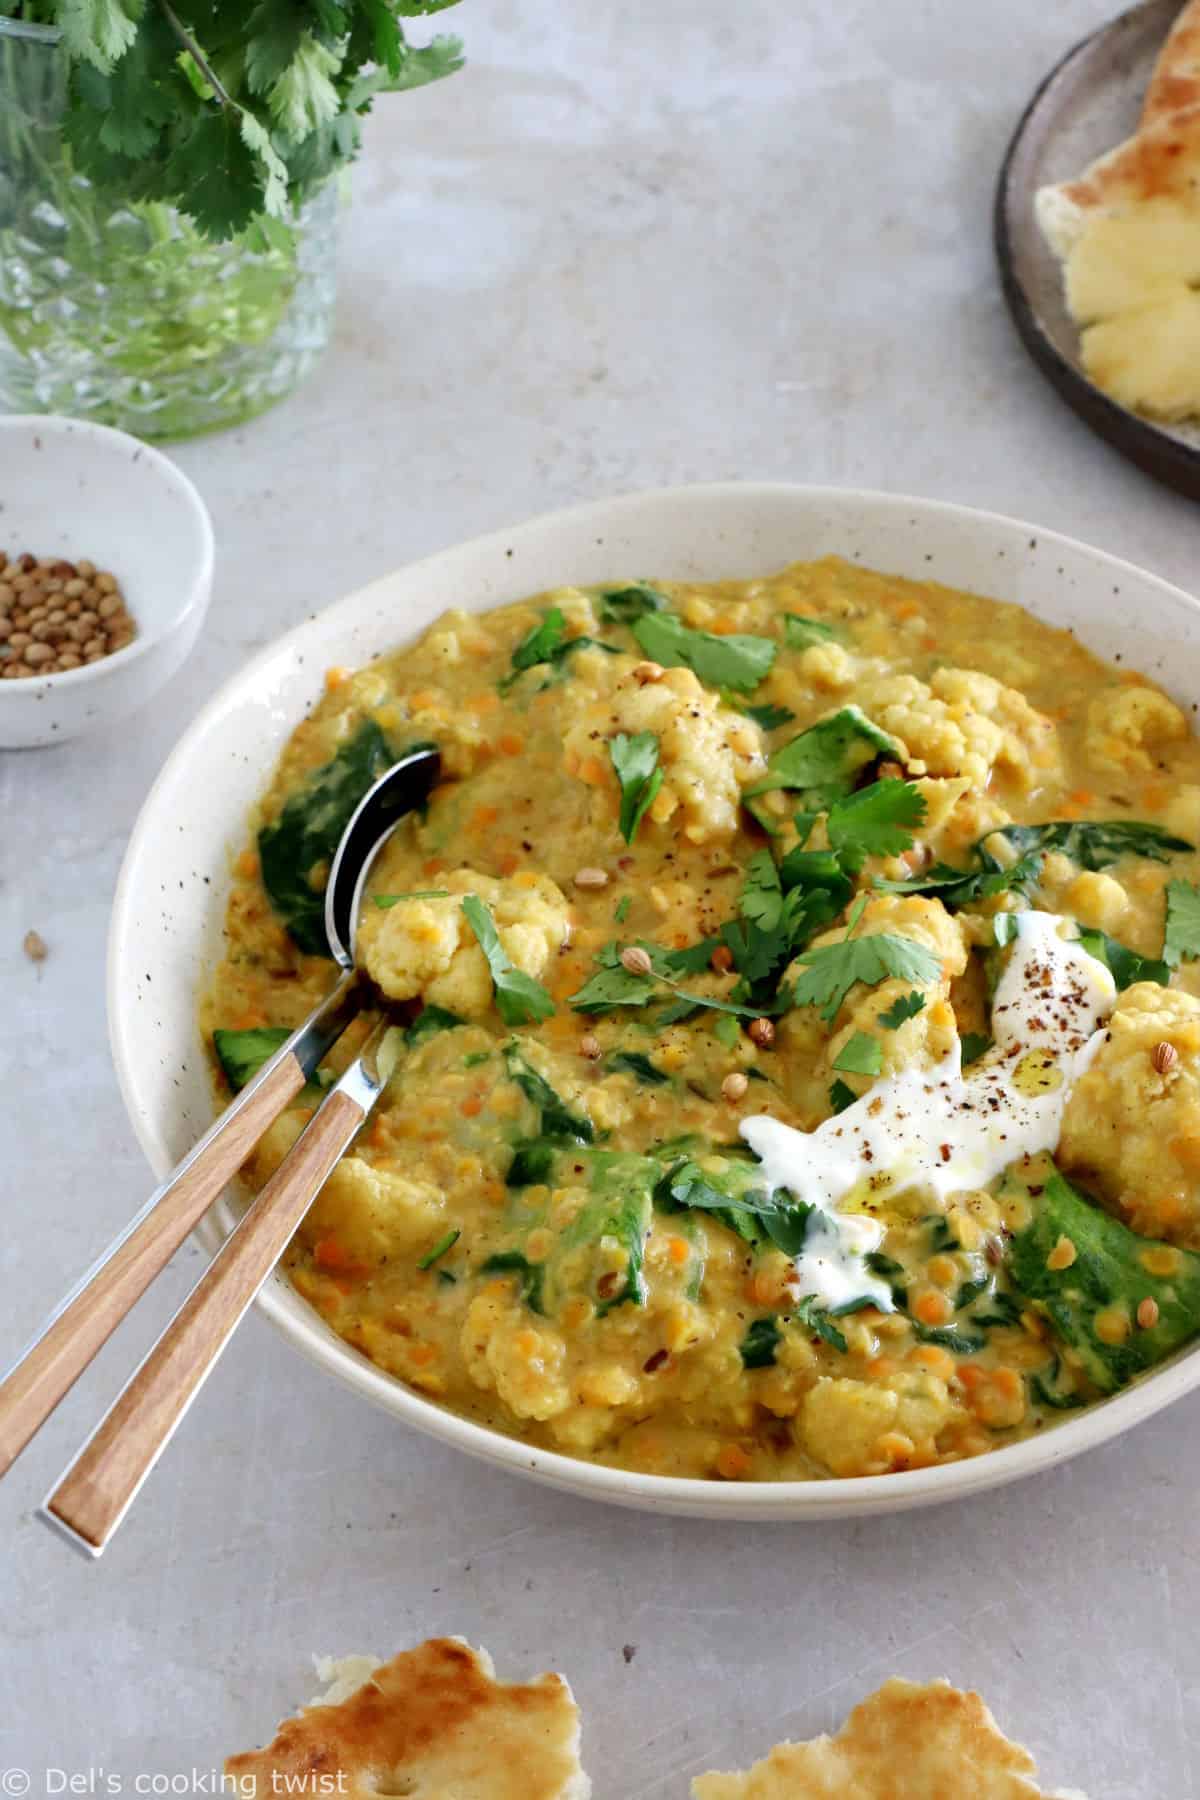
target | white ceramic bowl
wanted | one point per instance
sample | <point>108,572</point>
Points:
<point>166,928</point>
<point>73,489</point>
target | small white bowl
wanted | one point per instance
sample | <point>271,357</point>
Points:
<point>167,915</point>
<point>72,489</point>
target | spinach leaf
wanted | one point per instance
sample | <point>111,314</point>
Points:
<point>950,1337</point>
<point>300,843</point>
<point>428,1022</point>
<point>760,1343</point>
<point>621,606</point>
<point>623,1184</point>
<point>636,765</point>
<point>242,1054</point>
<point>738,1201</point>
<point>1093,844</point>
<point>770,718</point>
<point>633,1062</point>
<point>1125,965</point>
<point>513,1262</point>
<point>1048,1390</point>
<point>822,763</point>
<point>860,1055</point>
<point>841,1095</point>
<point>738,661</point>
<point>520,999</point>
<point>816,1320</point>
<point>557,1126</point>
<point>1109,1278</point>
<point>974,1044</point>
<point>439,1249</point>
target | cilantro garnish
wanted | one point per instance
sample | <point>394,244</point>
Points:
<point>547,643</point>
<point>760,1343</point>
<point>615,985</point>
<point>532,1275</point>
<point>428,1022</point>
<point>762,895</point>
<point>906,1007</point>
<point>520,1000</point>
<point>841,1095</point>
<point>1181,942</point>
<point>974,1044</point>
<point>860,1055</point>
<point>833,969</point>
<point>801,633</point>
<point>1092,843</point>
<point>1124,964</point>
<point>635,762</point>
<point>738,661</point>
<point>621,910</point>
<point>875,820</point>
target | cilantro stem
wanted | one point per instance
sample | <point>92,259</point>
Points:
<point>197,55</point>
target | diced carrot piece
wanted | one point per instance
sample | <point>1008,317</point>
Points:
<point>483,816</point>
<point>336,677</point>
<point>472,1106</point>
<point>732,1462</point>
<point>678,1250</point>
<point>511,743</point>
<point>593,771</point>
<point>247,865</point>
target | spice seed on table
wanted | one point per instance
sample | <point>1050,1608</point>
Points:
<point>56,615</point>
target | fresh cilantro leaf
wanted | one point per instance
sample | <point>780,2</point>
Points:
<point>1004,928</point>
<point>1125,965</point>
<point>760,1343</point>
<point>770,718</point>
<point>1093,844</point>
<point>762,895</point>
<point>635,762</point>
<point>906,1007</point>
<point>739,661</point>
<point>726,1030</point>
<point>875,820</point>
<point>633,1062</point>
<point>823,761</point>
<point>692,959</point>
<point>841,1095</point>
<point>439,1249</point>
<point>429,1021</point>
<point>473,1059</point>
<point>622,606</point>
<point>974,1044</point>
<point>801,633</point>
<point>303,96</point>
<point>1181,942</point>
<point>860,1055</point>
<point>960,887</point>
<point>614,987</point>
<point>621,910</point>
<point>520,1000</point>
<point>832,970</point>
<point>547,643</point>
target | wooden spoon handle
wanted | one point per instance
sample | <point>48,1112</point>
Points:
<point>93,1496</point>
<point>90,1313</point>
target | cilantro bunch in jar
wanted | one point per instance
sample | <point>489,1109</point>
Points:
<point>168,196</point>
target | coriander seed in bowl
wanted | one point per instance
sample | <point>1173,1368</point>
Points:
<point>98,608</point>
<point>57,615</point>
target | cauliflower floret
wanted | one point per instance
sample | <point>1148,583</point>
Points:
<point>1182,816</point>
<point>867,1428</point>
<point>372,1213</point>
<point>511,1355</point>
<point>925,1038</point>
<point>426,948</point>
<point>1087,895</point>
<point>965,723</point>
<point>1129,727</point>
<point>828,667</point>
<point>1132,1129</point>
<point>707,752</point>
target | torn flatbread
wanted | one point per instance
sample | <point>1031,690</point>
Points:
<point>1175,82</point>
<point>905,1742</point>
<point>433,1723</point>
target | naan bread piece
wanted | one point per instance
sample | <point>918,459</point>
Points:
<point>434,1724</point>
<point>1128,232</point>
<point>1175,82</point>
<point>904,1742</point>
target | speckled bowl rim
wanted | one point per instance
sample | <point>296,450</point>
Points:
<point>305,1331</point>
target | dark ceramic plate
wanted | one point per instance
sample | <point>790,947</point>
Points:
<point>1085,106</point>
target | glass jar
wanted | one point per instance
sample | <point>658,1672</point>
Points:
<point>126,314</point>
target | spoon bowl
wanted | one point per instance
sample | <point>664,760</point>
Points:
<point>403,788</point>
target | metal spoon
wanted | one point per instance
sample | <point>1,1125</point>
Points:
<point>64,1346</point>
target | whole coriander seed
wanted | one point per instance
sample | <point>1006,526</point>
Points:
<point>1165,1057</point>
<point>636,960</point>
